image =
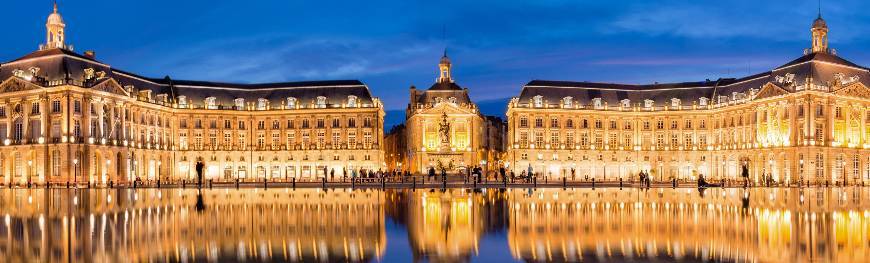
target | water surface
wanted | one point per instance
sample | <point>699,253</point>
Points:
<point>157,225</point>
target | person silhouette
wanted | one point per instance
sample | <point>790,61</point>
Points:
<point>199,167</point>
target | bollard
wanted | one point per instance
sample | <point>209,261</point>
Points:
<point>475,184</point>
<point>352,182</point>
<point>415,182</point>
<point>383,183</point>
<point>158,183</point>
<point>210,183</point>
<point>294,182</point>
<point>265,183</point>
<point>89,184</point>
<point>323,182</point>
<point>564,182</point>
<point>183,183</point>
<point>535,181</point>
<point>826,183</point>
<point>593,183</point>
<point>67,184</point>
<point>674,182</point>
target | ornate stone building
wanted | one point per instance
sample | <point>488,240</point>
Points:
<point>69,117</point>
<point>444,127</point>
<point>805,120</point>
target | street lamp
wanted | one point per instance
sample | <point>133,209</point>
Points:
<point>158,168</point>
<point>29,171</point>
<point>76,171</point>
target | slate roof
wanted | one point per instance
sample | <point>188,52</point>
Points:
<point>819,67</point>
<point>57,64</point>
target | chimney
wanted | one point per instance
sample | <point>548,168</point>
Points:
<point>91,54</point>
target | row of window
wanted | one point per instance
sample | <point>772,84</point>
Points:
<point>319,123</point>
<point>263,104</point>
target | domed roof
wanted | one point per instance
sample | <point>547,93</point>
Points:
<point>820,23</point>
<point>54,17</point>
<point>445,60</point>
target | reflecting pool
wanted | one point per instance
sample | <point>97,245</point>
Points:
<point>338,225</point>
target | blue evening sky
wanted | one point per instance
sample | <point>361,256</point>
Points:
<point>496,46</point>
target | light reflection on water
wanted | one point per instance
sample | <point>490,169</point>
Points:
<point>111,225</point>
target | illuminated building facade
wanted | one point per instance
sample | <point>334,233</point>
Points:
<point>69,117</point>
<point>444,128</point>
<point>806,120</point>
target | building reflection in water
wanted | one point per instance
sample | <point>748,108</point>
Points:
<point>765,225</point>
<point>163,225</point>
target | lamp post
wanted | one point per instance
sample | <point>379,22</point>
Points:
<point>29,171</point>
<point>106,172</point>
<point>158,169</point>
<point>76,171</point>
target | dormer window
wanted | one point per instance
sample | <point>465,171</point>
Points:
<point>161,98</point>
<point>703,101</point>
<point>291,103</point>
<point>351,101</point>
<point>597,103</point>
<point>182,101</point>
<point>321,102</point>
<point>648,104</point>
<point>626,103</point>
<point>722,99</point>
<point>262,104</point>
<point>239,103</point>
<point>452,100</point>
<point>675,102</point>
<point>568,102</point>
<point>210,103</point>
<point>538,101</point>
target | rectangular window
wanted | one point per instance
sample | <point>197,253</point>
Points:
<point>524,139</point>
<point>77,106</point>
<point>539,123</point>
<point>320,124</point>
<point>336,123</point>
<point>554,138</point>
<point>524,122</point>
<point>55,106</point>
<point>351,123</point>
<point>241,125</point>
<point>228,124</point>
<point>554,123</point>
<point>34,108</point>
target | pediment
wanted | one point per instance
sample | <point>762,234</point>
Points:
<point>448,108</point>
<point>110,86</point>
<point>856,89</point>
<point>13,84</point>
<point>770,90</point>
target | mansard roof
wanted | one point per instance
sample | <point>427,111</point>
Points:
<point>821,68</point>
<point>445,86</point>
<point>65,65</point>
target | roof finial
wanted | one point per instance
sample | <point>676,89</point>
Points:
<point>55,6</point>
<point>820,8</point>
<point>445,52</point>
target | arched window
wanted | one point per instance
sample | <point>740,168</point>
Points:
<point>538,101</point>
<point>182,101</point>
<point>597,103</point>
<point>568,102</point>
<point>626,103</point>
<point>210,103</point>
<point>262,104</point>
<point>351,101</point>
<point>17,129</point>
<point>291,103</point>
<point>239,103</point>
<point>321,102</point>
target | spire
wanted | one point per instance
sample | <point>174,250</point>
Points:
<point>55,7</point>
